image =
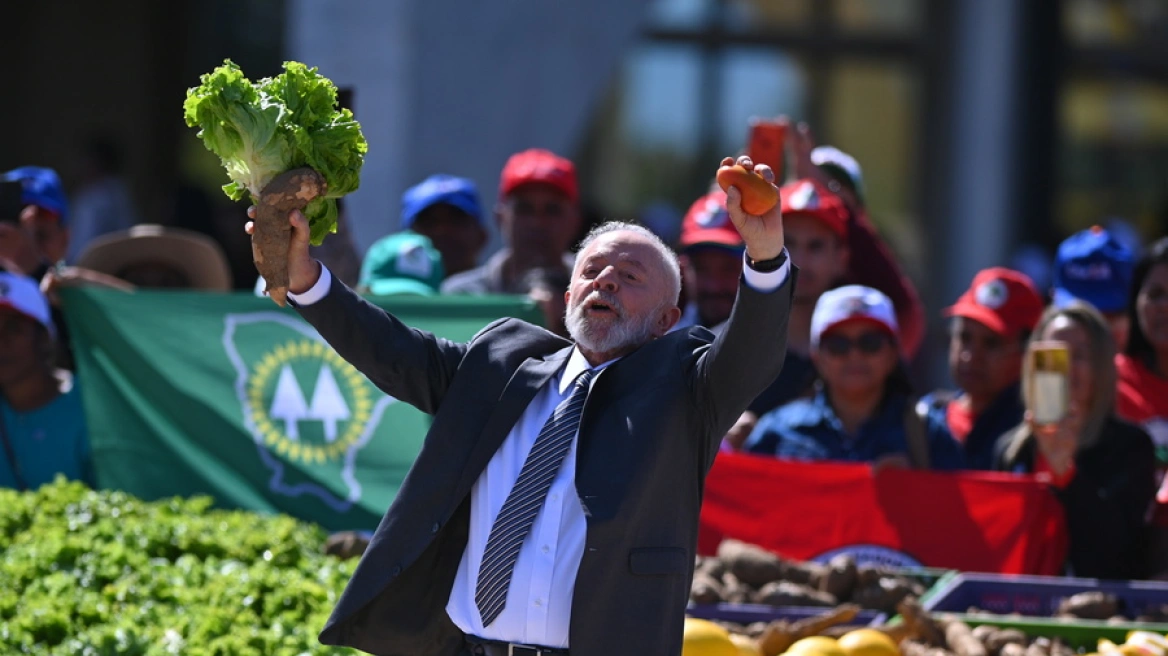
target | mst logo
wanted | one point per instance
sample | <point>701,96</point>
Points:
<point>309,412</point>
<point>279,406</point>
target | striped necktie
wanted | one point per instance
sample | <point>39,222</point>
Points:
<point>525,500</point>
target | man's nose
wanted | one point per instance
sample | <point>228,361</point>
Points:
<point>606,280</point>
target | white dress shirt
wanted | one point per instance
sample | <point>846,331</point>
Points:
<point>539,601</point>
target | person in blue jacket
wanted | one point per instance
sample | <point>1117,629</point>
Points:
<point>863,407</point>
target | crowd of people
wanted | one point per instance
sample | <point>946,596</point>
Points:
<point>856,323</point>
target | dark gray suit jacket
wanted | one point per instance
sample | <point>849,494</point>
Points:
<point>651,427</point>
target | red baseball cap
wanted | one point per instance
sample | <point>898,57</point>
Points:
<point>809,198</point>
<point>707,223</point>
<point>543,166</point>
<point>1005,300</point>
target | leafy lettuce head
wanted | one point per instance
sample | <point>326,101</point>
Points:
<point>261,129</point>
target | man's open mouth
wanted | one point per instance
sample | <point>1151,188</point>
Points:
<point>600,307</point>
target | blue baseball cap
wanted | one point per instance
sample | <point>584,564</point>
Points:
<point>402,263</point>
<point>440,188</point>
<point>1093,266</point>
<point>42,187</point>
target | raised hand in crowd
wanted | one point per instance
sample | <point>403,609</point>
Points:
<point>1058,442</point>
<point>802,146</point>
<point>71,276</point>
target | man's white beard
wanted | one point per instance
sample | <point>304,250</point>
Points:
<point>622,331</point>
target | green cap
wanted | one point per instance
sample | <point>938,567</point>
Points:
<point>403,263</point>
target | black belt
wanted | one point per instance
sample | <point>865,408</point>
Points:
<point>483,647</point>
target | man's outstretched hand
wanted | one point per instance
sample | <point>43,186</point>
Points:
<point>303,269</point>
<point>763,234</point>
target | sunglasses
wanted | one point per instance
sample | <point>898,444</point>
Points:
<point>869,343</point>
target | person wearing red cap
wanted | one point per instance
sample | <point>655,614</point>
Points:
<point>538,215</point>
<point>871,261</point>
<point>711,262</point>
<point>992,322</point>
<point>815,223</point>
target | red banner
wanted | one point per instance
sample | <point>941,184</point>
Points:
<point>974,522</point>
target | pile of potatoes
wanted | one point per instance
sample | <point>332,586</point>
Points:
<point>917,634</point>
<point>744,573</point>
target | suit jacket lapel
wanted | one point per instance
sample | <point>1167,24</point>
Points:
<point>525,383</point>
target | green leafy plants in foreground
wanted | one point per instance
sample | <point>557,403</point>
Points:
<point>95,573</point>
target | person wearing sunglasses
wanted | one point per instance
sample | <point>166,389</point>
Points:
<point>862,410</point>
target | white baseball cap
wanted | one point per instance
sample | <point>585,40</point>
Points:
<point>850,302</point>
<point>22,294</point>
<point>830,156</point>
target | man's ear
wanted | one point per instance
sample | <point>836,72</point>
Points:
<point>667,320</point>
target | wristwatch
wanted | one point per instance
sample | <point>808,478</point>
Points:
<point>767,266</point>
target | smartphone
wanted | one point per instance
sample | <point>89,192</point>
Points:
<point>11,203</point>
<point>1050,385</point>
<point>766,144</point>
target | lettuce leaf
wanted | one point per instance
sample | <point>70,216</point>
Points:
<point>261,129</point>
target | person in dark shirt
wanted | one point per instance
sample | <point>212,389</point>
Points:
<point>862,407</point>
<point>1102,468</point>
<point>35,244</point>
<point>538,215</point>
<point>445,209</point>
<point>991,322</point>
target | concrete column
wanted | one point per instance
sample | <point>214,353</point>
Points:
<point>983,175</point>
<point>369,46</point>
<point>457,86</point>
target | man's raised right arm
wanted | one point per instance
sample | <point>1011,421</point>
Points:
<point>409,364</point>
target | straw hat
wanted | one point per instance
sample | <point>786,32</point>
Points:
<point>196,255</point>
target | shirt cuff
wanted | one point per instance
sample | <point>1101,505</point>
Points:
<point>317,291</point>
<point>769,281</point>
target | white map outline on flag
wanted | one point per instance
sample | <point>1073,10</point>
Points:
<point>275,464</point>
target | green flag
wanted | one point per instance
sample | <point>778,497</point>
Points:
<point>228,395</point>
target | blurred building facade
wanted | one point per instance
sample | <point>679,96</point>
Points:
<point>982,125</point>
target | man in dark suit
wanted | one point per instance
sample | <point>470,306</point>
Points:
<point>554,506</point>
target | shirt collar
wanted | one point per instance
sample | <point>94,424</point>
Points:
<point>576,366</point>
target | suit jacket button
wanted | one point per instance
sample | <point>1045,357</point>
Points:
<point>434,528</point>
<point>396,570</point>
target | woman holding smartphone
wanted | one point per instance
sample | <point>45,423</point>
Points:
<point>1101,467</point>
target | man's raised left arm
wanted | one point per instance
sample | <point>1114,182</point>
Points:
<point>748,353</point>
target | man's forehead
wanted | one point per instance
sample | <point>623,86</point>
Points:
<point>620,243</point>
